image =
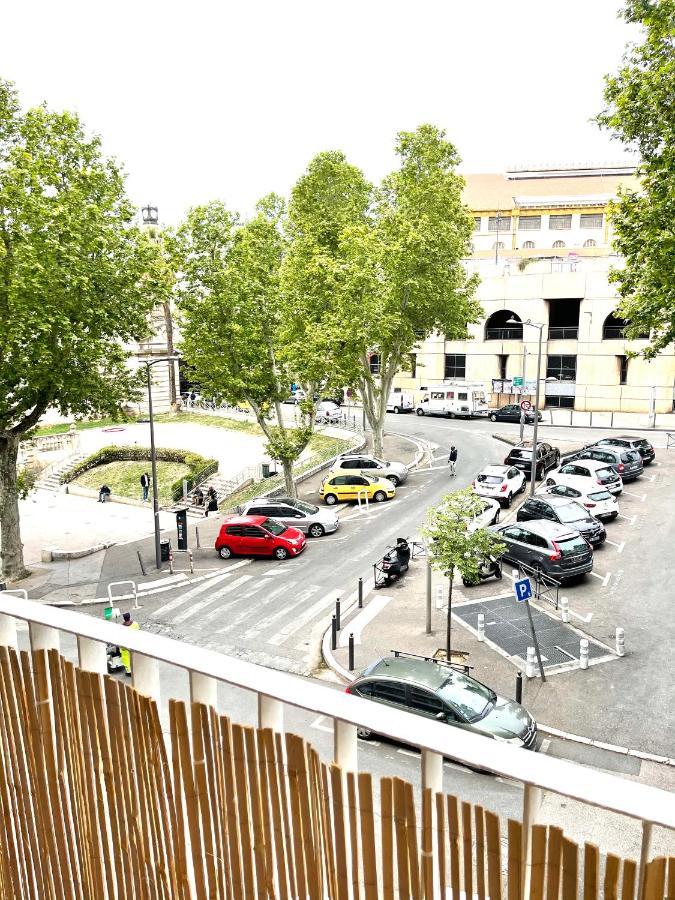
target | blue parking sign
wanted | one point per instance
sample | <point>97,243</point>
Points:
<point>523,589</point>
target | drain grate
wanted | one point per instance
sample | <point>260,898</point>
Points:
<point>555,656</point>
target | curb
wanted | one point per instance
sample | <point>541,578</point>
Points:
<point>421,450</point>
<point>52,554</point>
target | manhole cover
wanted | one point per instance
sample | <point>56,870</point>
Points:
<point>555,656</point>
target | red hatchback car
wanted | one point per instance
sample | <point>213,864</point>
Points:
<point>258,536</point>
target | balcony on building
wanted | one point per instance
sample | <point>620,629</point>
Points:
<point>563,319</point>
<point>614,329</point>
<point>496,328</point>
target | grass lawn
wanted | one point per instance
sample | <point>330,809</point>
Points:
<point>123,477</point>
<point>63,427</point>
<point>250,426</point>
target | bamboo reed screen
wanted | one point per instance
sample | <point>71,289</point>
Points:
<point>95,803</point>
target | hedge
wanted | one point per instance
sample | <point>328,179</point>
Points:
<point>199,465</point>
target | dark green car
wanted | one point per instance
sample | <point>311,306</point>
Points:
<point>434,689</point>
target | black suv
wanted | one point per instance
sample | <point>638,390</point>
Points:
<point>548,457</point>
<point>565,512</point>
<point>625,442</point>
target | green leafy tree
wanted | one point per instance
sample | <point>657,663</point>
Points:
<point>77,281</point>
<point>640,113</point>
<point>454,547</point>
<point>234,318</point>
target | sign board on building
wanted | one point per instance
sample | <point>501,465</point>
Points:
<point>517,381</point>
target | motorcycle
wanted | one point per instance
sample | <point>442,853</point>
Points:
<point>489,568</point>
<point>394,563</point>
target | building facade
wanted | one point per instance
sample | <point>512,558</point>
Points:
<point>542,247</point>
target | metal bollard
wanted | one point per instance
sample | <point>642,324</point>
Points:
<point>333,634</point>
<point>360,593</point>
<point>565,609</point>
<point>481,627</point>
<point>583,653</point>
<point>529,666</point>
<point>519,687</point>
<point>197,537</point>
<point>337,613</point>
<point>351,652</point>
<point>440,596</point>
<point>620,642</point>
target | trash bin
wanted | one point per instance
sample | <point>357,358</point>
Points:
<point>165,548</point>
<point>265,470</point>
<point>181,528</point>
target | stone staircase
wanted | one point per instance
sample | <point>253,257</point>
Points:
<point>223,486</point>
<point>50,478</point>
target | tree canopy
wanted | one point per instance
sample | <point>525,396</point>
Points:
<point>640,113</point>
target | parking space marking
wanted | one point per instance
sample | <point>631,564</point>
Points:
<point>545,744</point>
<point>603,578</point>
<point>631,519</point>
<point>650,477</point>
<point>585,619</point>
<point>318,724</point>
<point>641,497</point>
<point>619,547</point>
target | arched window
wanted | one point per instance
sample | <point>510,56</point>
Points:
<point>498,245</point>
<point>496,328</point>
<point>590,243</point>
<point>613,329</point>
<point>557,245</point>
<point>528,245</point>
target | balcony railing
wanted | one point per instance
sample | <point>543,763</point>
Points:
<point>565,333</point>
<point>97,791</point>
<point>504,334</point>
<point>612,332</point>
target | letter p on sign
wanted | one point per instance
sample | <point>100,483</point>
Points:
<point>523,589</point>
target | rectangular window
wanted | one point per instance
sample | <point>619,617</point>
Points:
<point>502,366</point>
<point>561,402</point>
<point>560,223</point>
<point>476,223</point>
<point>591,220</point>
<point>562,368</point>
<point>529,223</point>
<point>499,223</point>
<point>623,369</point>
<point>455,365</point>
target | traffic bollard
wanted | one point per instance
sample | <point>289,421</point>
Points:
<point>333,634</point>
<point>351,652</point>
<point>360,593</point>
<point>481,627</point>
<point>197,537</point>
<point>529,666</point>
<point>337,613</point>
<point>565,609</point>
<point>519,687</point>
<point>620,642</point>
<point>583,653</point>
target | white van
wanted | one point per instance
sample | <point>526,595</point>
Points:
<point>461,399</point>
<point>400,402</point>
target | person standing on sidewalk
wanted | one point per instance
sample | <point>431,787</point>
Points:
<point>452,460</point>
<point>145,484</point>
<point>124,651</point>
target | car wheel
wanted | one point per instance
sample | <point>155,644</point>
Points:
<point>496,518</point>
<point>420,412</point>
<point>550,482</point>
<point>379,496</point>
<point>225,552</point>
<point>396,410</point>
<point>330,499</point>
<point>539,473</point>
<point>509,500</point>
<point>451,415</point>
<point>364,733</point>
<point>538,569</point>
<point>281,553</point>
<point>493,417</point>
<point>316,530</point>
<point>395,480</point>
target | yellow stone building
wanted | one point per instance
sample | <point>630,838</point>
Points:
<point>542,247</point>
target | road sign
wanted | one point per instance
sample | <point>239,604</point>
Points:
<point>517,381</point>
<point>526,405</point>
<point>523,589</point>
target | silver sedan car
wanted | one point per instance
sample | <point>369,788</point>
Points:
<point>312,520</point>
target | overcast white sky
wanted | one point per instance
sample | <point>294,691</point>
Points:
<point>203,100</point>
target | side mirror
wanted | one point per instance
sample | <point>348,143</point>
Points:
<point>440,717</point>
<point>268,537</point>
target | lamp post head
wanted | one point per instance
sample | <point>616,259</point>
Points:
<point>150,215</point>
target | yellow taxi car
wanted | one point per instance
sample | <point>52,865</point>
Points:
<point>339,486</point>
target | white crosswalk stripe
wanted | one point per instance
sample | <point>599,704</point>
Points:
<point>285,609</point>
<point>299,622</point>
<point>206,585</point>
<point>248,612</point>
<point>198,608</point>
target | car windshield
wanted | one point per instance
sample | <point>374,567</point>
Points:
<point>470,698</point>
<point>607,474</point>
<point>521,453</point>
<point>490,479</point>
<point>570,512</point>
<point>600,495</point>
<point>571,546</point>
<point>274,527</point>
<point>304,507</point>
<point>630,456</point>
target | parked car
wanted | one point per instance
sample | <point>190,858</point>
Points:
<point>296,396</point>
<point>586,474</point>
<point>565,512</point>
<point>598,501</point>
<point>555,550</point>
<point>548,457</point>
<point>328,413</point>
<point>400,402</point>
<point>511,413</point>
<point>312,520</point>
<point>338,488</point>
<point>436,690</point>
<point>643,447</point>
<point>396,472</point>
<point>626,463</point>
<point>500,483</point>
<point>488,516</point>
<point>258,536</point>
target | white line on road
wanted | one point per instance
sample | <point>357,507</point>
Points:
<point>650,477</point>
<point>318,724</point>
<point>614,544</point>
<point>198,608</point>
<point>282,609</point>
<point>203,586</point>
<point>603,578</point>
<point>641,497</point>
<point>359,622</point>
<point>545,744</point>
<point>282,636</point>
<point>246,613</point>
<point>586,619</point>
<point>631,519</point>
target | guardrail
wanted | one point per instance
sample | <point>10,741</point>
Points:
<point>566,333</point>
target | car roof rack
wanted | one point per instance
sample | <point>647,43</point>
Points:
<point>441,662</point>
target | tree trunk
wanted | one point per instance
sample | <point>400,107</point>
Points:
<point>11,548</point>
<point>448,624</point>
<point>168,327</point>
<point>288,477</point>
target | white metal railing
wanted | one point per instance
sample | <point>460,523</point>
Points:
<point>538,773</point>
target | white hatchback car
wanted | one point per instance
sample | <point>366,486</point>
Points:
<point>599,502</point>
<point>585,475</point>
<point>489,516</point>
<point>499,483</point>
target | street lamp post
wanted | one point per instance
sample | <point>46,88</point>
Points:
<point>533,468</point>
<point>153,455</point>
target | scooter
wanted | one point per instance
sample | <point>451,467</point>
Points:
<point>394,563</point>
<point>113,659</point>
<point>489,568</point>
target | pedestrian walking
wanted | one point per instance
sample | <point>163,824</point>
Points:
<point>452,460</point>
<point>104,493</point>
<point>124,651</point>
<point>145,484</point>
